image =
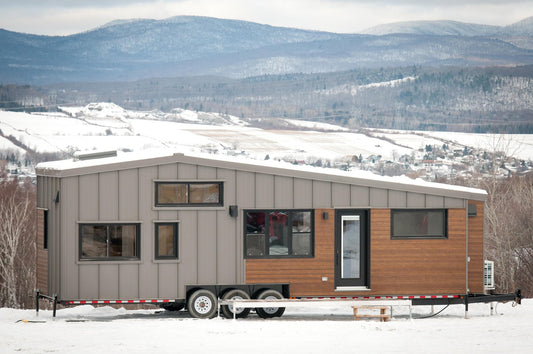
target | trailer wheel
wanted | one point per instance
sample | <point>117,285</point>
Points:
<point>228,310</point>
<point>269,312</point>
<point>202,304</point>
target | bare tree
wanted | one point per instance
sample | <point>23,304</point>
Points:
<point>510,233</point>
<point>17,246</point>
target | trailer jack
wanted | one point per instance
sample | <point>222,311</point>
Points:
<point>53,299</point>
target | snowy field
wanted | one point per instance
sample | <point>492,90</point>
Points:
<point>86,329</point>
<point>105,126</point>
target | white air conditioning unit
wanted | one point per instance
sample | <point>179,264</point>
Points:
<point>488,275</point>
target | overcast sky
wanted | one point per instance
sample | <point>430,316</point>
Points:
<point>62,17</point>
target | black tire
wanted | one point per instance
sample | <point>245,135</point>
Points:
<point>227,310</point>
<point>269,312</point>
<point>172,306</point>
<point>202,304</point>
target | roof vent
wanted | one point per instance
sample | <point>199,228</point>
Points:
<point>96,155</point>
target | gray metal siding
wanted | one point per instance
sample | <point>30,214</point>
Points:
<point>69,202</point>
<point>341,195</point>
<point>210,241</point>
<point>148,270</point>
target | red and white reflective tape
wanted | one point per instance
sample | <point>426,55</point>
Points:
<point>106,302</point>
<point>401,297</point>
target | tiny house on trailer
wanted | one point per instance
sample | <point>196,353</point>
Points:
<point>186,230</point>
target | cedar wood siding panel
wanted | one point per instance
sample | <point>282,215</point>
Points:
<point>430,266</point>
<point>304,274</point>
<point>397,267</point>
<point>475,249</point>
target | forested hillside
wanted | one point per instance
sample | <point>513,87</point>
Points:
<point>458,99</point>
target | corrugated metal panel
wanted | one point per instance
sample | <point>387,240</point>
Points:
<point>246,189</point>
<point>397,199</point>
<point>359,196</point>
<point>108,196</point>
<point>207,247</point>
<point>264,191</point>
<point>168,280</point>
<point>69,244</point>
<point>454,203</point>
<point>88,197</point>
<point>303,193</point>
<point>230,265</point>
<point>187,171</point>
<point>89,283</point>
<point>416,200</point>
<point>188,267</point>
<point>433,201</point>
<point>321,194</point>
<point>340,195</point>
<point>148,279</point>
<point>283,192</point>
<point>379,198</point>
<point>128,195</point>
<point>128,277</point>
<point>108,281</point>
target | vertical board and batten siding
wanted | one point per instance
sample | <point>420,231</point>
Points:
<point>41,254</point>
<point>211,242</point>
<point>148,279</point>
<point>46,193</point>
<point>210,250</point>
<point>167,272</point>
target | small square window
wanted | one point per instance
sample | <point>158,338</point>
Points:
<point>166,241</point>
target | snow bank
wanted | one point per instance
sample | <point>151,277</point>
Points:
<point>86,329</point>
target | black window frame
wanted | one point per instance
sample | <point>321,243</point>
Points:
<point>442,236</point>
<point>108,258</point>
<point>290,212</point>
<point>175,226</point>
<point>188,203</point>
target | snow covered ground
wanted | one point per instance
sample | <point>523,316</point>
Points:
<point>86,329</point>
<point>105,126</point>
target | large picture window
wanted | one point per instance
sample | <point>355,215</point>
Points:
<point>429,223</point>
<point>109,241</point>
<point>166,240</point>
<point>278,233</point>
<point>169,194</point>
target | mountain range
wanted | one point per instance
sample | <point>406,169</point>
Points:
<point>192,46</point>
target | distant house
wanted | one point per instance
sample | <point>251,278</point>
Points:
<point>193,228</point>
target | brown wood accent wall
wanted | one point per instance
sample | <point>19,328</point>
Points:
<point>41,254</point>
<point>303,274</point>
<point>397,267</point>
<point>411,266</point>
<point>475,250</point>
